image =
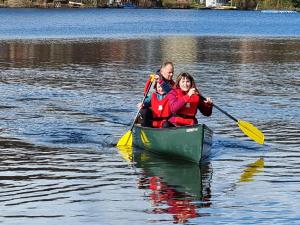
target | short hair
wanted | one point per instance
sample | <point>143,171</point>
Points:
<point>167,63</point>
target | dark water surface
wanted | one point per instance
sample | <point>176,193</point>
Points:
<point>64,104</point>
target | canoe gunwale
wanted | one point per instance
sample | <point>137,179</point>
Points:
<point>193,145</point>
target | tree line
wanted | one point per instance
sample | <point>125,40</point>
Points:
<point>266,4</point>
<point>239,4</point>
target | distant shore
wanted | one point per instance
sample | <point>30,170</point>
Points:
<point>146,4</point>
<point>175,7</point>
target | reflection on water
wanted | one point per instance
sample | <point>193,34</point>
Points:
<point>45,53</point>
<point>255,72</point>
<point>41,184</point>
<point>65,103</point>
<point>251,170</point>
<point>172,189</point>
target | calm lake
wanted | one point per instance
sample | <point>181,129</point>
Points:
<point>70,80</point>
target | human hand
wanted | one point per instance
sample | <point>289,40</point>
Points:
<point>192,91</point>
<point>156,77</point>
<point>208,100</point>
<point>139,105</point>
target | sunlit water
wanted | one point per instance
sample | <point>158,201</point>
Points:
<point>65,103</point>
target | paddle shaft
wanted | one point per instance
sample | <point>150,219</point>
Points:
<point>221,110</point>
<point>145,96</point>
<point>226,113</point>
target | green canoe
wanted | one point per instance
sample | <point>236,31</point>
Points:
<point>191,143</point>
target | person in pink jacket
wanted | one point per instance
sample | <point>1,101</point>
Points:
<point>185,100</point>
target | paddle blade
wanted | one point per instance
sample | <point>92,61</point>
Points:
<point>126,139</point>
<point>126,152</point>
<point>251,131</point>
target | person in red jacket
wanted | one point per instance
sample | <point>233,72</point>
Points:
<point>185,100</point>
<point>156,110</point>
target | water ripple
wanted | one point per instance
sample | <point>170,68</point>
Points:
<point>64,104</point>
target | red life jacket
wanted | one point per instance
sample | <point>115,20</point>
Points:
<point>187,114</point>
<point>160,110</point>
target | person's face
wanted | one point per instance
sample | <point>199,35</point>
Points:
<point>159,89</point>
<point>167,72</point>
<point>185,84</point>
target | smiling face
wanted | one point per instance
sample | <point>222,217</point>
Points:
<point>185,81</point>
<point>185,84</point>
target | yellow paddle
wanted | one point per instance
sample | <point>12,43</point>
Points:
<point>249,129</point>
<point>126,139</point>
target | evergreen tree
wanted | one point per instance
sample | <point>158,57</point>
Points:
<point>296,3</point>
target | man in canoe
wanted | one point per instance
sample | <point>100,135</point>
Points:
<point>164,76</point>
<point>155,112</point>
<point>184,101</point>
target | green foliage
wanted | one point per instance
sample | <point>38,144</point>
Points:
<point>241,4</point>
<point>168,3</point>
<point>296,3</point>
<point>276,4</point>
<point>90,3</point>
<point>196,5</point>
<point>176,3</point>
<point>19,3</point>
<point>266,4</point>
<point>245,4</point>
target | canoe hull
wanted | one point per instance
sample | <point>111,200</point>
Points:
<point>191,143</point>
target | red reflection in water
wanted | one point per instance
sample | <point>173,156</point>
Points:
<point>179,204</point>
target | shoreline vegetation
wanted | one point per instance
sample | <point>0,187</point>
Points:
<point>280,5</point>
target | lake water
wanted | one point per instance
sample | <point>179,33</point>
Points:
<point>69,83</point>
<point>128,23</point>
